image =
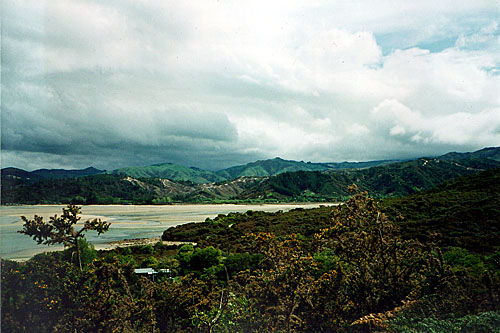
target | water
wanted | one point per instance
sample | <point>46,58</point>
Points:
<point>127,222</point>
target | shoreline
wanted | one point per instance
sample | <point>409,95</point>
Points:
<point>242,203</point>
<point>113,245</point>
<point>136,242</point>
<point>132,225</point>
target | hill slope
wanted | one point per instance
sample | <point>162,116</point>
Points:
<point>13,177</point>
<point>491,153</point>
<point>278,165</point>
<point>384,180</point>
<point>396,179</point>
<point>463,212</point>
<point>270,167</point>
<point>170,171</point>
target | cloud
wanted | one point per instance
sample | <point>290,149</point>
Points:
<point>215,84</point>
<point>460,128</point>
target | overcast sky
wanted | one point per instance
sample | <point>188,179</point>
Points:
<point>219,83</point>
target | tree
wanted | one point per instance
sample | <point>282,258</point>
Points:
<point>60,230</point>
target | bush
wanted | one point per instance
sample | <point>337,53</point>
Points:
<point>125,250</point>
<point>149,262</point>
<point>147,249</point>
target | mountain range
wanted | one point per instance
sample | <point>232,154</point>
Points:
<point>262,181</point>
<point>261,168</point>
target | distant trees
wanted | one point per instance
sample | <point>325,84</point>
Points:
<point>60,230</point>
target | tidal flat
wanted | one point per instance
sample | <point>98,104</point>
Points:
<point>127,222</point>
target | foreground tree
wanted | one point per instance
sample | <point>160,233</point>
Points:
<point>60,230</point>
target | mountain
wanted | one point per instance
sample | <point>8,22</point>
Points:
<point>278,165</point>
<point>269,167</point>
<point>12,177</point>
<point>262,168</point>
<point>94,189</point>
<point>170,171</point>
<point>49,173</point>
<point>395,179</point>
<point>490,153</point>
<point>62,173</point>
<point>358,165</point>
<point>166,183</point>
<point>121,189</point>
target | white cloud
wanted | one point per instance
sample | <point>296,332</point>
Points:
<point>460,128</point>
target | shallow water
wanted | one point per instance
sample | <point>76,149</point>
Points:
<point>127,222</point>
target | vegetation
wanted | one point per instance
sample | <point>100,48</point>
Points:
<point>358,267</point>
<point>170,171</point>
<point>389,180</point>
<point>60,230</point>
<point>463,212</point>
<point>270,167</point>
<point>99,189</point>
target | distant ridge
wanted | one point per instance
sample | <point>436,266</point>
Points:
<point>276,180</point>
<point>270,167</point>
<point>62,173</point>
<point>261,168</point>
<point>492,153</point>
<point>49,173</point>
<point>14,177</point>
<point>170,171</point>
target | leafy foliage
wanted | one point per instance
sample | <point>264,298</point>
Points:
<point>60,230</point>
<point>460,213</point>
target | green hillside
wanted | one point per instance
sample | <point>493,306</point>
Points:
<point>167,183</point>
<point>270,167</point>
<point>395,179</point>
<point>491,153</point>
<point>278,165</point>
<point>14,177</point>
<point>463,212</point>
<point>63,173</point>
<point>170,171</point>
<point>98,189</point>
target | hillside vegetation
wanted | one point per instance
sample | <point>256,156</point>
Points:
<point>464,212</point>
<point>170,171</point>
<point>395,179</point>
<point>270,168</point>
<point>156,184</point>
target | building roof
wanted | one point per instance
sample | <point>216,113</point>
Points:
<point>150,271</point>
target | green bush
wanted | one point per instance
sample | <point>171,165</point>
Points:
<point>88,252</point>
<point>149,262</point>
<point>147,249</point>
<point>125,250</point>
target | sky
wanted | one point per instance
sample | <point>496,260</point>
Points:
<point>214,84</point>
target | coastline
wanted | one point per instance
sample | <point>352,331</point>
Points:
<point>136,242</point>
<point>132,225</point>
<point>110,246</point>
